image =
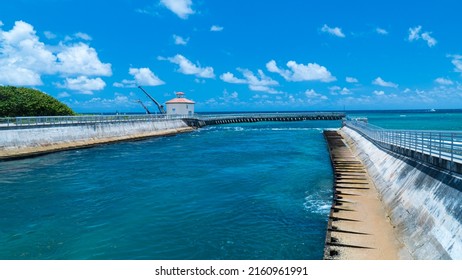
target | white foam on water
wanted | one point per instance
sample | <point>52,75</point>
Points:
<point>314,204</point>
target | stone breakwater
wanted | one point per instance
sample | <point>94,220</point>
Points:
<point>424,203</point>
<point>29,141</point>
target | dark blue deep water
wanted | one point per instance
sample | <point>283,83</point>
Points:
<point>244,191</point>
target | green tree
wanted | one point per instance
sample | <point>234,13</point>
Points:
<point>21,102</point>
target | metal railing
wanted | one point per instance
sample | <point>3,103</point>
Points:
<point>16,122</point>
<point>445,145</point>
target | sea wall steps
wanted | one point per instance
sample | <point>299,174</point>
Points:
<point>358,227</point>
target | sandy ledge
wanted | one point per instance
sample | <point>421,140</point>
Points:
<point>22,152</point>
<point>360,228</point>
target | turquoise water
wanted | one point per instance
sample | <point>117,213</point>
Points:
<point>244,191</point>
<point>419,120</point>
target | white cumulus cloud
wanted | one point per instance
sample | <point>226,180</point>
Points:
<point>10,75</point>
<point>49,35</point>
<point>83,84</point>
<point>336,90</point>
<point>351,80</point>
<point>83,36</point>
<point>24,58</point>
<point>229,97</point>
<point>381,31</point>
<point>443,81</point>
<point>189,68</point>
<point>312,94</point>
<point>182,8</point>
<point>259,82</point>
<point>415,33</point>
<point>145,77</point>
<point>429,39</point>
<point>82,59</point>
<point>378,92</point>
<point>180,40</point>
<point>457,62</point>
<point>336,31</point>
<point>216,28</point>
<point>142,77</point>
<point>230,78</point>
<point>300,72</point>
<point>380,82</point>
<point>63,95</point>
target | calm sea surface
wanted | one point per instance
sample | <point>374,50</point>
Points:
<point>420,120</point>
<point>243,191</point>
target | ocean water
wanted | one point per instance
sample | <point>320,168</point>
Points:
<point>414,119</point>
<point>242,191</point>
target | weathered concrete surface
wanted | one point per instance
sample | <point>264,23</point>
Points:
<point>15,143</point>
<point>424,203</point>
<point>358,227</point>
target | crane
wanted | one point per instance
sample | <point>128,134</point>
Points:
<point>160,107</point>
<point>145,108</point>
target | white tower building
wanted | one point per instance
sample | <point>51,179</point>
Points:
<point>180,105</point>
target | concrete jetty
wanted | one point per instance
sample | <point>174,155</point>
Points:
<point>358,226</point>
<point>42,135</point>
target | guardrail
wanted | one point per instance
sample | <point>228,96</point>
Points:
<point>12,123</point>
<point>441,148</point>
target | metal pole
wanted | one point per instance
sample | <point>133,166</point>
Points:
<point>452,150</point>
<point>441,140</point>
<point>422,143</point>
<point>431,143</point>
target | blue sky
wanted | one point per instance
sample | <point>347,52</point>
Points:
<point>236,55</point>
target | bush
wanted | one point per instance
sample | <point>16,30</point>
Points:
<point>23,102</point>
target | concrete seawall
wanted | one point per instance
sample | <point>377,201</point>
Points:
<point>424,203</point>
<point>21,142</point>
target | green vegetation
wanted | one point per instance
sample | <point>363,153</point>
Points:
<point>21,102</point>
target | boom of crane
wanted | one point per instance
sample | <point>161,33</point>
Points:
<point>145,108</point>
<point>160,107</point>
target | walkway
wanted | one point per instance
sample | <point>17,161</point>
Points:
<point>358,228</point>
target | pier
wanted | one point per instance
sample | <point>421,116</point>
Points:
<point>201,120</point>
<point>269,117</point>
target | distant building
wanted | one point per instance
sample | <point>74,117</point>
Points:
<point>180,105</point>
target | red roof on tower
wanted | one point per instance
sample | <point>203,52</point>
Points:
<point>180,99</point>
